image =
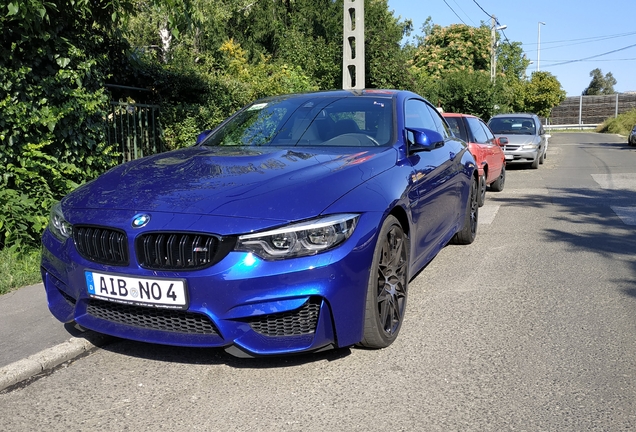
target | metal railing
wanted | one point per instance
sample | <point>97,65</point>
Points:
<point>134,128</point>
<point>571,126</point>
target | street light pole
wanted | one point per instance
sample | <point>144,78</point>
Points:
<point>493,41</point>
<point>539,43</point>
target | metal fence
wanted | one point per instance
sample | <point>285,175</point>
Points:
<point>134,128</point>
<point>589,111</point>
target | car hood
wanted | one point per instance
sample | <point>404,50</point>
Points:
<point>264,183</point>
<point>520,139</point>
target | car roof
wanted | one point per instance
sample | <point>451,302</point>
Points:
<point>383,93</point>
<point>458,115</point>
<point>343,93</point>
<point>520,115</point>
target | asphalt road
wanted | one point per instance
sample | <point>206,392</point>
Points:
<point>532,327</point>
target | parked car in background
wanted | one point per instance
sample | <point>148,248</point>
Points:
<point>294,226</point>
<point>486,148</point>
<point>527,139</point>
<point>631,140</point>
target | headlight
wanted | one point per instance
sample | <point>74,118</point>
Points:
<point>302,239</point>
<point>58,225</point>
<point>530,146</point>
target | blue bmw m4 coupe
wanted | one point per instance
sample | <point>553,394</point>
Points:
<point>294,226</point>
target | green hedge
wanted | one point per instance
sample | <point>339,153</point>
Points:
<point>53,64</point>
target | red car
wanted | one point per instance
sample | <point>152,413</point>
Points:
<point>485,147</point>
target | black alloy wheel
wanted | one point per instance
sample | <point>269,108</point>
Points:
<point>388,286</point>
<point>482,190</point>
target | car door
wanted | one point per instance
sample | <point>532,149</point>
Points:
<point>434,190</point>
<point>491,151</point>
<point>497,157</point>
<point>480,140</point>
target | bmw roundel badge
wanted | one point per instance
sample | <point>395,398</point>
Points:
<point>140,220</point>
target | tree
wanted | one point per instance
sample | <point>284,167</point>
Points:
<point>539,95</point>
<point>54,60</point>
<point>451,66</point>
<point>468,92</point>
<point>457,47</point>
<point>511,62</point>
<point>600,85</point>
<point>386,59</point>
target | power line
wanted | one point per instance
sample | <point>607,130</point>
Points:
<point>595,60</point>
<point>594,56</point>
<point>589,39</point>
<point>460,8</point>
<point>458,17</point>
<point>482,9</point>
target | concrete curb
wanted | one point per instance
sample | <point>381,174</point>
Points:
<point>50,358</point>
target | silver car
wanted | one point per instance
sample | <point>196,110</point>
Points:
<point>527,140</point>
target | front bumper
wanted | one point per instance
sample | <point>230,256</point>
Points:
<point>249,306</point>
<point>521,156</point>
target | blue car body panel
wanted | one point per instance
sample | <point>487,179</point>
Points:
<point>232,191</point>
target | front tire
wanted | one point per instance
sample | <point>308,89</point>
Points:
<point>388,286</point>
<point>482,190</point>
<point>535,163</point>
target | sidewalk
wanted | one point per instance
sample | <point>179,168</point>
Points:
<point>32,340</point>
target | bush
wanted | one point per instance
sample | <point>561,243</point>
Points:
<point>54,62</point>
<point>621,125</point>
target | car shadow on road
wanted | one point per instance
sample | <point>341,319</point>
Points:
<point>217,356</point>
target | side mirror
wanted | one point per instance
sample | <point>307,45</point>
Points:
<point>424,139</point>
<point>502,141</point>
<point>203,135</point>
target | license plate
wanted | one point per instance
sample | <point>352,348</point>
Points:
<point>509,157</point>
<point>160,293</point>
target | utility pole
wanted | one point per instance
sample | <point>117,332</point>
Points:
<point>353,45</point>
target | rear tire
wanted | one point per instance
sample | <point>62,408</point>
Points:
<point>469,231</point>
<point>498,185</point>
<point>388,286</point>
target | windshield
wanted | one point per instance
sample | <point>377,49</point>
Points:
<point>512,126</point>
<point>315,121</point>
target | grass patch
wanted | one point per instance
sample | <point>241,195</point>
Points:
<point>18,269</point>
<point>621,125</point>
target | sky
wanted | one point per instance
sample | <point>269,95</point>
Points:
<point>578,35</point>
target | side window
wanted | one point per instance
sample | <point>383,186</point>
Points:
<point>489,135</point>
<point>440,124</point>
<point>539,126</point>
<point>417,115</point>
<point>478,132</point>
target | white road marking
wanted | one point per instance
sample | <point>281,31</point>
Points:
<point>626,214</point>
<point>624,181</point>
<point>487,214</point>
